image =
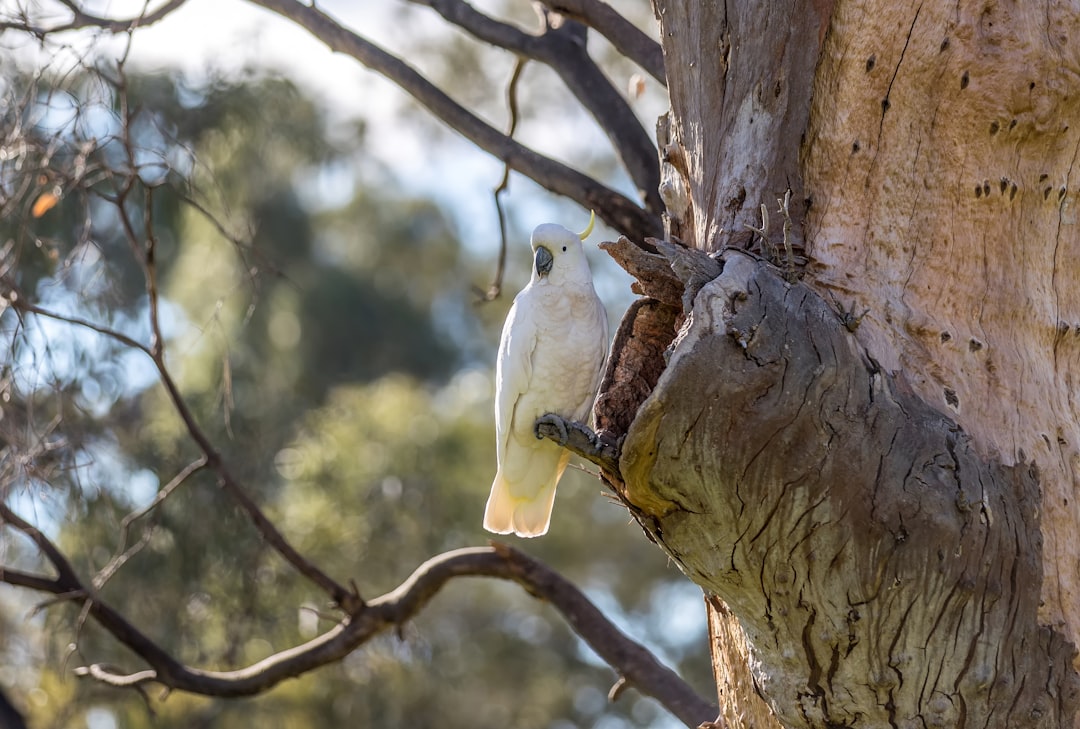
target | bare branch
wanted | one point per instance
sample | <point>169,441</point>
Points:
<point>16,301</point>
<point>18,578</point>
<point>570,59</point>
<point>615,209</point>
<point>342,595</point>
<point>630,659</point>
<point>495,288</point>
<point>123,553</point>
<point>624,35</point>
<point>82,19</point>
<point>562,46</point>
<point>68,587</point>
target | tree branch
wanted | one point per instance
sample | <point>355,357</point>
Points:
<point>346,599</point>
<point>613,208</point>
<point>123,553</point>
<point>630,659</point>
<point>19,303</point>
<point>82,19</point>
<point>568,56</point>
<point>624,35</point>
<point>68,587</point>
<point>563,47</point>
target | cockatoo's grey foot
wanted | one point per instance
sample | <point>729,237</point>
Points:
<point>558,422</point>
<point>599,448</point>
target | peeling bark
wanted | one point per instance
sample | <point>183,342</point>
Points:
<point>741,704</point>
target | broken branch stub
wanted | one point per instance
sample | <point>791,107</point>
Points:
<point>668,281</point>
<point>857,533</point>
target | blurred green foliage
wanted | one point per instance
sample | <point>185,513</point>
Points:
<point>335,356</point>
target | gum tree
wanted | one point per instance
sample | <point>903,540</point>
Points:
<point>843,403</point>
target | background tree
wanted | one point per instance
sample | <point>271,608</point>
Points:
<point>853,424</point>
<point>325,351</point>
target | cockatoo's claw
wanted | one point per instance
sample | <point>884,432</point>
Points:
<point>599,448</point>
<point>594,441</point>
<point>557,422</point>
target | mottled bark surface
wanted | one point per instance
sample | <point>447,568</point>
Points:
<point>884,573</point>
<point>945,203</point>
<point>885,502</point>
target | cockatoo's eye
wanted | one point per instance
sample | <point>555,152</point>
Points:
<point>564,249</point>
<point>543,261</point>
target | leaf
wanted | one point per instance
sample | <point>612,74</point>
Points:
<point>46,201</point>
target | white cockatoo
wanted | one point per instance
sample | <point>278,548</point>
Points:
<point>551,355</point>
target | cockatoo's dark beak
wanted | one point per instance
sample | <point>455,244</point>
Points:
<point>542,261</point>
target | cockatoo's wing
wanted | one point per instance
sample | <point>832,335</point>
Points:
<point>513,369</point>
<point>513,375</point>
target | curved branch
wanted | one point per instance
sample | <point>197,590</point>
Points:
<point>20,303</point>
<point>562,47</point>
<point>613,208</point>
<point>627,38</point>
<point>348,601</point>
<point>67,586</point>
<point>634,663</point>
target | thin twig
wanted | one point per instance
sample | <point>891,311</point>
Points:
<point>21,304</point>
<point>347,600</point>
<point>123,554</point>
<point>495,288</point>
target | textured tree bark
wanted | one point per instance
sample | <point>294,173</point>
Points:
<point>884,502</point>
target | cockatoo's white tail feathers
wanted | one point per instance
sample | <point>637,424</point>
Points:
<point>523,516</point>
<point>499,514</point>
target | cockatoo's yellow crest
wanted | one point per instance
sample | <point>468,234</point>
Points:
<point>588,228</point>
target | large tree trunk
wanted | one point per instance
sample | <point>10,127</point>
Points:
<point>881,506</point>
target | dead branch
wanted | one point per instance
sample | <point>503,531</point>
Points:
<point>570,59</point>
<point>495,288</point>
<point>143,249</point>
<point>613,208</point>
<point>123,553</point>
